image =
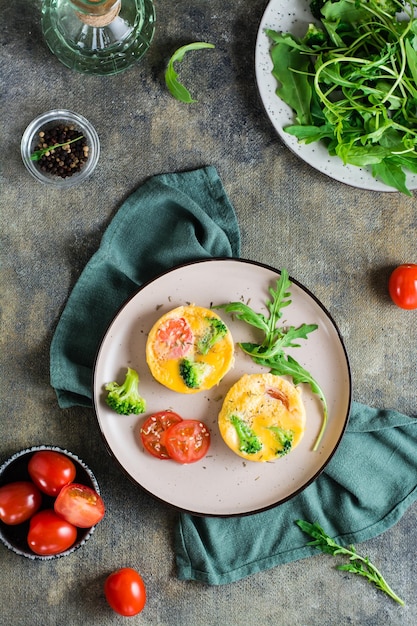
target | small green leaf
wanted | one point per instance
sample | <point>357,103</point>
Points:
<point>38,154</point>
<point>171,77</point>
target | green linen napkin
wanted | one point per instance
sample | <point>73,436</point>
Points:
<point>369,483</point>
<point>171,219</point>
<point>364,490</point>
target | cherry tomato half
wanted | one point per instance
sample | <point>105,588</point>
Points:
<point>51,470</point>
<point>80,505</point>
<point>153,432</point>
<point>18,502</point>
<point>125,591</point>
<point>402,286</point>
<point>187,441</point>
<point>174,338</point>
<point>50,534</point>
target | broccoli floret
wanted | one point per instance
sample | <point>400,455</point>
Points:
<point>285,438</point>
<point>248,441</point>
<point>125,399</point>
<point>193,372</point>
<point>315,36</point>
<point>216,330</point>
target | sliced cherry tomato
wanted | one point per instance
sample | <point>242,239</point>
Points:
<point>153,432</point>
<point>50,534</point>
<point>51,470</point>
<point>18,502</point>
<point>187,441</point>
<point>125,591</point>
<point>402,286</point>
<point>174,338</point>
<point>80,505</point>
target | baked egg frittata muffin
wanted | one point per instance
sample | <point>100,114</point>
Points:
<point>189,349</point>
<point>262,417</point>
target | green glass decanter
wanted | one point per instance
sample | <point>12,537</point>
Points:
<point>98,36</point>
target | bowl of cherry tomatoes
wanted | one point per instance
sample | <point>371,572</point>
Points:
<point>50,503</point>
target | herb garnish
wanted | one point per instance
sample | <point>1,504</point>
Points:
<point>357,564</point>
<point>38,154</point>
<point>351,82</point>
<point>171,77</point>
<point>271,351</point>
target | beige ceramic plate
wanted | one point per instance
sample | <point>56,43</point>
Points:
<point>294,17</point>
<point>222,484</point>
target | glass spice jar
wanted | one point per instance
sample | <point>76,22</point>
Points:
<point>70,164</point>
<point>98,36</point>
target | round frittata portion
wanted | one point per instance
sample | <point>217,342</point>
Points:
<point>189,349</point>
<point>263,417</point>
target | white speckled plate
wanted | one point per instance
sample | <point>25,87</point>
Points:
<point>294,17</point>
<point>222,483</point>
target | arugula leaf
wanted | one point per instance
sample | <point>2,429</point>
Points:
<point>270,352</point>
<point>171,77</point>
<point>290,67</point>
<point>357,563</point>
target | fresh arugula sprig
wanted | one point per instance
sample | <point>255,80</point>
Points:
<point>38,154</point>
<point>351,82</point>
<point>357,564</point>
<point>176,88</point>
<point>271,351</point>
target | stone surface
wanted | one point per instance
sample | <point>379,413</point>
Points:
<point>338,241</point>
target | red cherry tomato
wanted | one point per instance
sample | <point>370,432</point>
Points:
<point>402,286</point>
<point>80,505</point>
<point>125,591</point>
<point>174,338</point>
<point>51,470</point>
<point>50,534</point>
<point>18,502</point>
<point>153,432</point>
<point>187,441</point>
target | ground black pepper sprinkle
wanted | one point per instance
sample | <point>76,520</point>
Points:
<point>67,159</point>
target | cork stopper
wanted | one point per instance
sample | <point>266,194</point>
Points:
<point>96,13</point>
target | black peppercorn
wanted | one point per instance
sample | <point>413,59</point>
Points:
<point>66,159</point>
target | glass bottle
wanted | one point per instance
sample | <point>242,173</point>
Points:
<point>98,36</point>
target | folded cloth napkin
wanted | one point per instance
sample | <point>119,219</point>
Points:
<point>370,481</point>
<point>171,219</point>
<point>363,491</point>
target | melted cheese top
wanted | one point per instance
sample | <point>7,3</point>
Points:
<point>264,403</point>
<point>175,337</point>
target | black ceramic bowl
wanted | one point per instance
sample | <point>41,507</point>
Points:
<point>15,469</point>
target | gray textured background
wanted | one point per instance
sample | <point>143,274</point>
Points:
<point>338,241</point>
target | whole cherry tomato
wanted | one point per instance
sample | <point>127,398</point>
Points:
<point>402,286</point>
<point>80,505</point>
<point>51,470</point>
<point>125,591</point>
<point>50,534</point>
<point>18,502</point>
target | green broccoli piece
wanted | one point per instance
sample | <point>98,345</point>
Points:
<point>285,438</point>
<point>216,330</point>
<point>125,399</point>
<point>248,441</point>
<point>193,372</point>
<point>315,36</point>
